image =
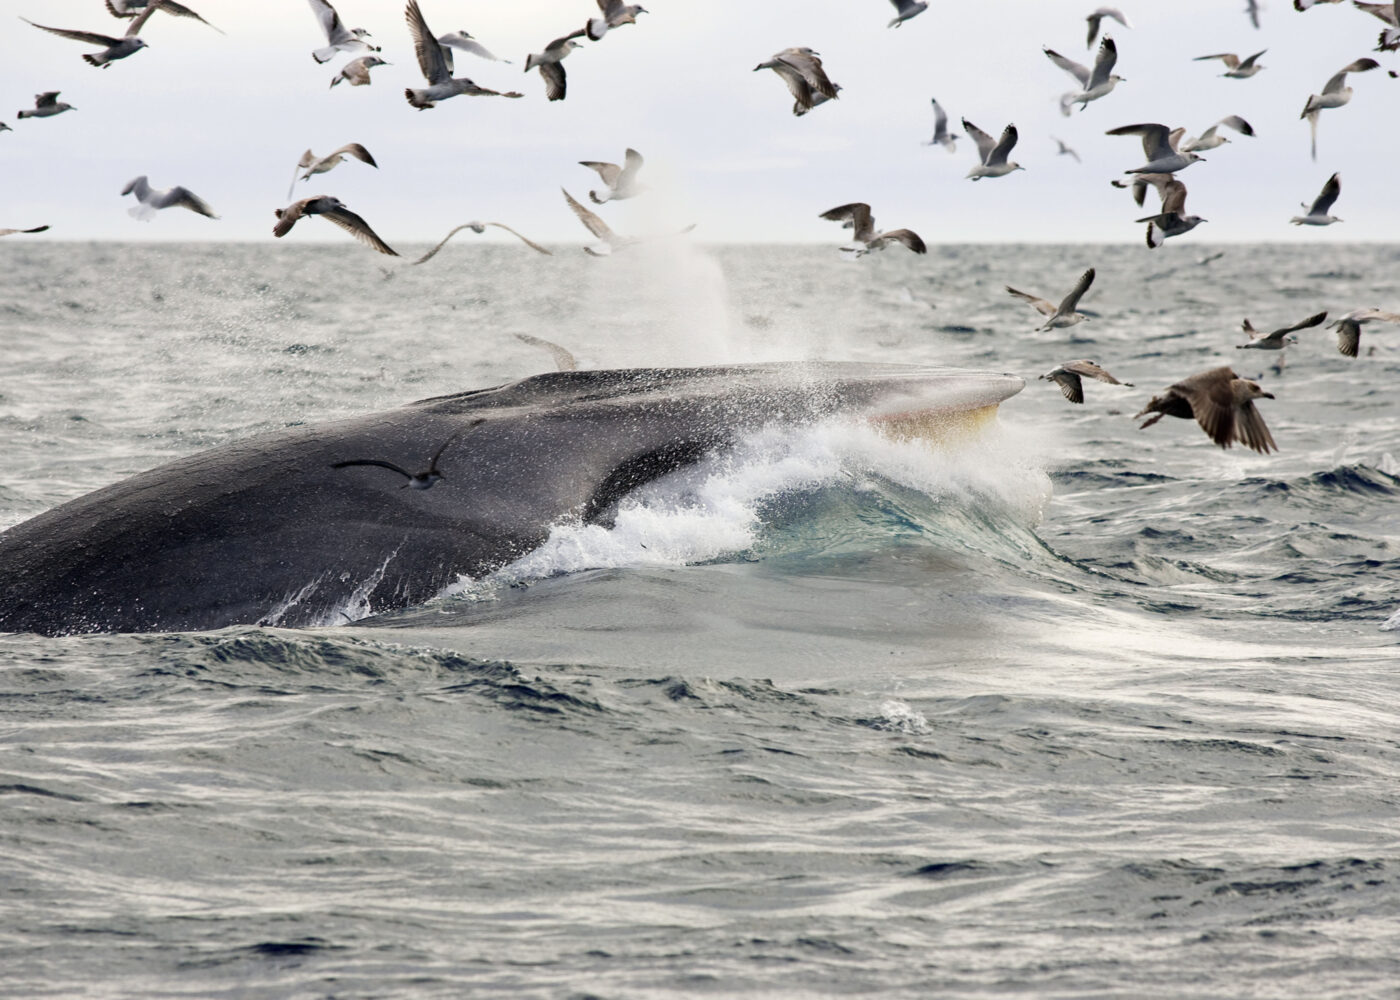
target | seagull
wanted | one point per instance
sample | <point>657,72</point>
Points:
<point>149,200</point>
<point>1334,94</point>
<point>1093,85</point>
<point>1277,340</point>
<point>113,48</point>
<point>992,154</point>
<point>563,360</point>
<point>611,241</point>
<point>416,480</point>
<point>130,8</point>
<point>340,39</point>
<point>615,14</point>
<point>1066,151</point>
<point>1222,403</point>
<point>1234,67</point>
<point>1389,13</point>
<point>480,227</point>
<point>550,62</point>
<point>314,164</point>
<point>1098,16</point>
<point>857,214</point>
<point>802,71</point>
<point>621,181</point>
<point>5,128</point>
<point>905,9</point>
<point>1170,221</point>
<point>1209,139</point>
<point>1349,327</point>
<point>357,71</point>
<point>1252,9</point>
<point>11,232</point>
<point>332,210</point>
<point>1067,377</point>
<point>1064,314</point>
<point>433,62</point>
<point>941,135</point>
<point>1320,212</point>
<point>462,40</point>
<point>47,105</point>
<point>1159,145</point>
<point>1141,182</point>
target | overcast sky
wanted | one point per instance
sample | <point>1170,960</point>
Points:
<point>228,115</point>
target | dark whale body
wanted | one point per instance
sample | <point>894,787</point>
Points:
<point>265,531</point>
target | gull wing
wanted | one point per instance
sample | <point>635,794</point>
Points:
<point>11,232</point>
<point>1003,147</point>
<point>594,224</point>
<point>858,212</point>
<point>182,197</point>
<point>610,172</point>
<point>908,238</point>
<point>1071,387</point>
<point>1212,401</point>
<point>91,37</point>
<point>425,45</point>
<point>564,361</point>
<point>555,82</point>
<point>1103,65</point>
<point>330,22</point>
<point>1339,81</point>
<point>1311,321</point>
<point>809,66</point>
<point>357,151</point>
<point>459,40</point>
<point>46,100</point>
<point>1348,336</point>
<point>1230,60</point>
<point>1237,123</point>
<point>1329,194</point>
<point>631,163</point>
<point>1250,428</point>
<point>985,143</point>
<point>358,228</point>
<point>1042,306</point>
<point>528,242</point>
<point>1098,16</point>
<point>1071,301</point>
<point>1086,367</point>
<point>1156,139</point>
<point>1250,61</point>
<point>174,10</point>
<point>940,117</point>
<point>1074,69</point>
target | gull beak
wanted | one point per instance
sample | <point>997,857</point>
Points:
<point>1266,395</point>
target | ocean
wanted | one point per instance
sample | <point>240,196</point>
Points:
<point>1069,709</point>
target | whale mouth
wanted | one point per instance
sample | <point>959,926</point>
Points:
<point>939,426</point>
<point>940,406</point>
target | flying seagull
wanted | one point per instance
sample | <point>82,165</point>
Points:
<point>1235,68</point>
<point>1066,150</point>
<point>1334,95</point>
<point>992,154</point>
<point>1159,145</point>
<point>563,360</point>
<point>1222,403</point>
<point>356,71</point>
<point>113,48</point>
<point>610,241</point>
<point>1252,9</point>
<point>1209,139</point>
<point>1277,340</point>
<point>905,9</point>
<point>11,232</point>
<point>1064,314</point>
<point>467,43</point>
<point>338,37</point>
<point>432,60</point>
<point>1098,16</point>
<point>1092,85</point>
<point>480,227</point>
<point>1320,212</point>
<point>1067,377</point>
<point>130,8</point>
<point>332,210</point>
<point>149,200</point>
<point>941,135</point>
<point>416,480</point>
<point>1349,327</point>
<point>1171,220</point>
<point>46,105</point>
<point>314,164</point>
<point>621,181</point>
<point>1389,39</point>
<point>802,71</point>
<point>857,215</point>
<point>615,13</point>
<point>550,62</point>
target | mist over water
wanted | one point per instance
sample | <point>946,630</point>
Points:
<point>1068,709</point>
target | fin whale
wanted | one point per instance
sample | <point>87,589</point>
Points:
<point>267,531</point>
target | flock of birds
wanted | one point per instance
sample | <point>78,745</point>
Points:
<point>1220,401</point>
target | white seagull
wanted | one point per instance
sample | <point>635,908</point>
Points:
<point>1209,139</point>
<point>992,154</point>
<point>1067,377</point>
<point>480,227</point>
<point>332,210</point>
<point>550,62</point>
<point>615,13</point>
<point>467,43</point>
<point>1092,85</point>
<point>941,135</point>
<point>314,164</point>
<point>1159,146</point>
<point>905,9</point>
<point>338,37</point>
<point>1065,313</point>
<point>1279,339</point>
<point>46,105</point>
<point>621,181</point>
<point>1236,68</point>
<point>1334,95</point>
<point>857,216</point>
<point>149,200</point>
<point>1320,212</point>
<point>1066,150</point>
<point>432,60</point>
<point>113,48</point>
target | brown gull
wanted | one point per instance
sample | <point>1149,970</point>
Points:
<point>433,62</point>
<point>332,210</point>
<point>314,164</point>
<point>1068,377</point>
<point>356,71</point>
<point>1064,314</point>
<point>563,360</point>
<point>1222,403</point>
<point>857,216</point>
<point>1349,327</point>
<point>1171,220</point>
<point>1236,68</point>
<point>480,227</point>
<point>801,69</point>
